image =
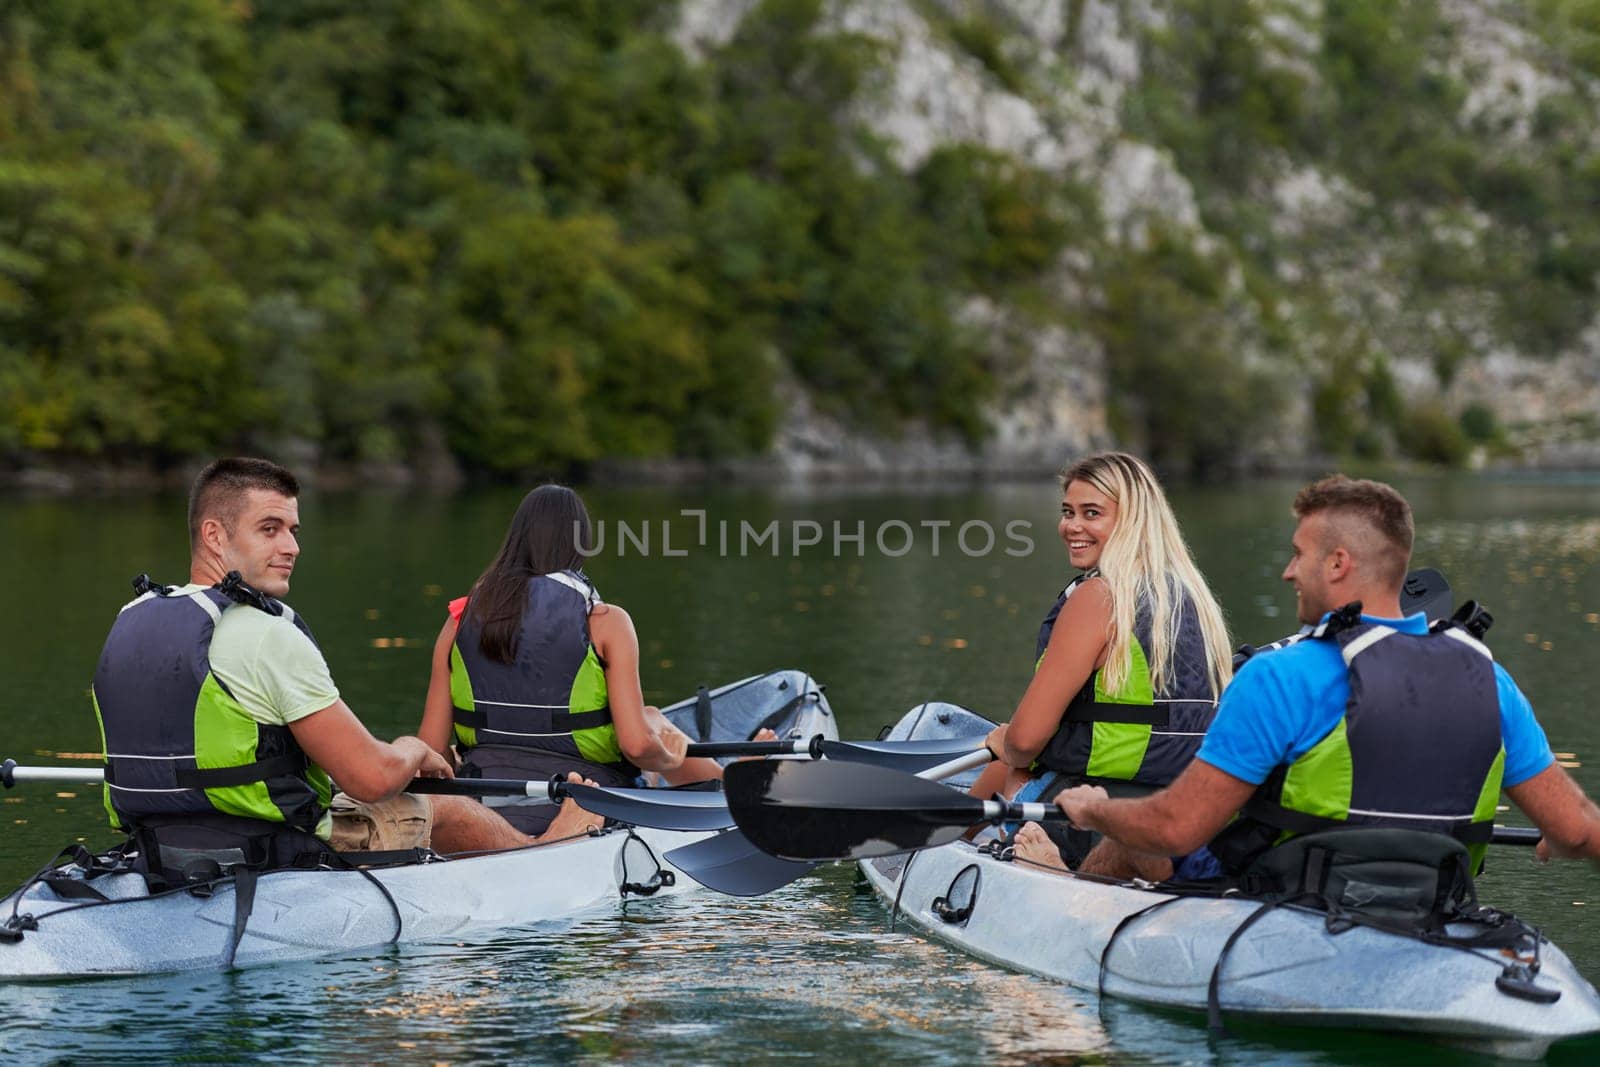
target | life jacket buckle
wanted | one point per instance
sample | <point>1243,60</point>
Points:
<point>235,588</point>
<point>145,584</point>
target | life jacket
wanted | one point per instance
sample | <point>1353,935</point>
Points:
<point>552,698</point>
<point>1419,746</point>
<point>1136,734</point>
<point>178,747</point>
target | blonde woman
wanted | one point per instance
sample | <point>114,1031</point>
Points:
<point>1131,659</point>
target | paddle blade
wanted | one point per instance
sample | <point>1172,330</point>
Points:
<point>663,809</point>
<point>730,864</point>
<point>832,810</point>
<point>911,756</point>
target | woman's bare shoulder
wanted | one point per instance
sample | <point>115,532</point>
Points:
<point>1093,592</point>
<point>610,617</point>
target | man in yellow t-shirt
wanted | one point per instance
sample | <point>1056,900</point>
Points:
<point>244,516</point>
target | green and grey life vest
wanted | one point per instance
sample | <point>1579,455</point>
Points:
<point>1419,746</point>
<point>552,698</point>
<point>1135,734</point>
<point>176,742</point>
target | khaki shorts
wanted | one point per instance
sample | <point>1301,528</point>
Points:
<point>401,822</point>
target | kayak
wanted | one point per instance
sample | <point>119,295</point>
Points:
<point>1287,967</point>
<point>110,924</point>
<point>788,702</point>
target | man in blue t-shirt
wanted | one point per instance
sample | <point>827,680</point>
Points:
<point>1352,543</point>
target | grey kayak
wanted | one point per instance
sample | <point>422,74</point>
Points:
<point>304,914</point>
<point>788,702</point>
<point>1287,968</point>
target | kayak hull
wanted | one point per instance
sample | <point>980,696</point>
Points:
<point>1287,968</point>
<point>300,914</point>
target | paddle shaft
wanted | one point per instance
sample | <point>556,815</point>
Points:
<point>1010,811</point>
<point>912,756</point>
<point>815,749</point>
<point>11,773</point>
<point>973,759</point>
<point>808,747</point>
<point>995,810</point>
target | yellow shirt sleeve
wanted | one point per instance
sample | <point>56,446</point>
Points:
<point>272,669</point>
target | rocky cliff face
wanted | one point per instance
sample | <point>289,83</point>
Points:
<point>1054,92</point>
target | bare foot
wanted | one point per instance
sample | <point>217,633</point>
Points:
<point>761,735</point>
<point>571,820</point>
<point>1034,845</point>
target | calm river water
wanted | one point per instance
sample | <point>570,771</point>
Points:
<point>886,621</point>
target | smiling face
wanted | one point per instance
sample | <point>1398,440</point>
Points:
<point>1308,569</point>
<point>262,544</point>
<point>1087,518</point>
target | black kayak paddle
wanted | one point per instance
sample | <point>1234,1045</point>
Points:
<point>850,811</point>
<point>730,863</point>
<point>833,810</point>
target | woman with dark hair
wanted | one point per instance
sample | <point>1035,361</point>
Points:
<point>533,675</point>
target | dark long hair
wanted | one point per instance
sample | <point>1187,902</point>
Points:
<point>550,526</point>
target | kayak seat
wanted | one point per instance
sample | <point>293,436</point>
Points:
<point>1409,883</point>
<point>1404,877</point>
<point>197,850</point>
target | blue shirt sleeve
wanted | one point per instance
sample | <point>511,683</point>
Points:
<point>1251,735</point>
<point>1527,749</point>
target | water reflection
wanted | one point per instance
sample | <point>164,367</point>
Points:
<point>811,971</point>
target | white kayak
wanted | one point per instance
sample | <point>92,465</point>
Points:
<point>1286,968</point>
<point>303,914</point>
<point>788,702</point>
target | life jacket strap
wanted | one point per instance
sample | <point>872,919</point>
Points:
<point>1298,822</point>
<point>1135,714</point>
<point>235,588</point>
<point>561,722</point>
<point>1343,618</point>
<point>145,584</point>
<point>292,764</point>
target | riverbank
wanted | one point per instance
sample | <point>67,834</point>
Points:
<point>948,466</point>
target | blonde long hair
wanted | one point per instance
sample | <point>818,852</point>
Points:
<point>1146,557</point>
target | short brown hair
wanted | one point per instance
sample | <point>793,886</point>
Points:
<point>220,489</point>
<point>1375,504</point>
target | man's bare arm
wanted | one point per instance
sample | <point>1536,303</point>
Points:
<point>364,767</point>
<point>1557,805</point>
<point>1173,822</point>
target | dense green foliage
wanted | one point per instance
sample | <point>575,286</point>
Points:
<point>534,230</point>
<point>536,233</point>
<point>1378,103</point>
